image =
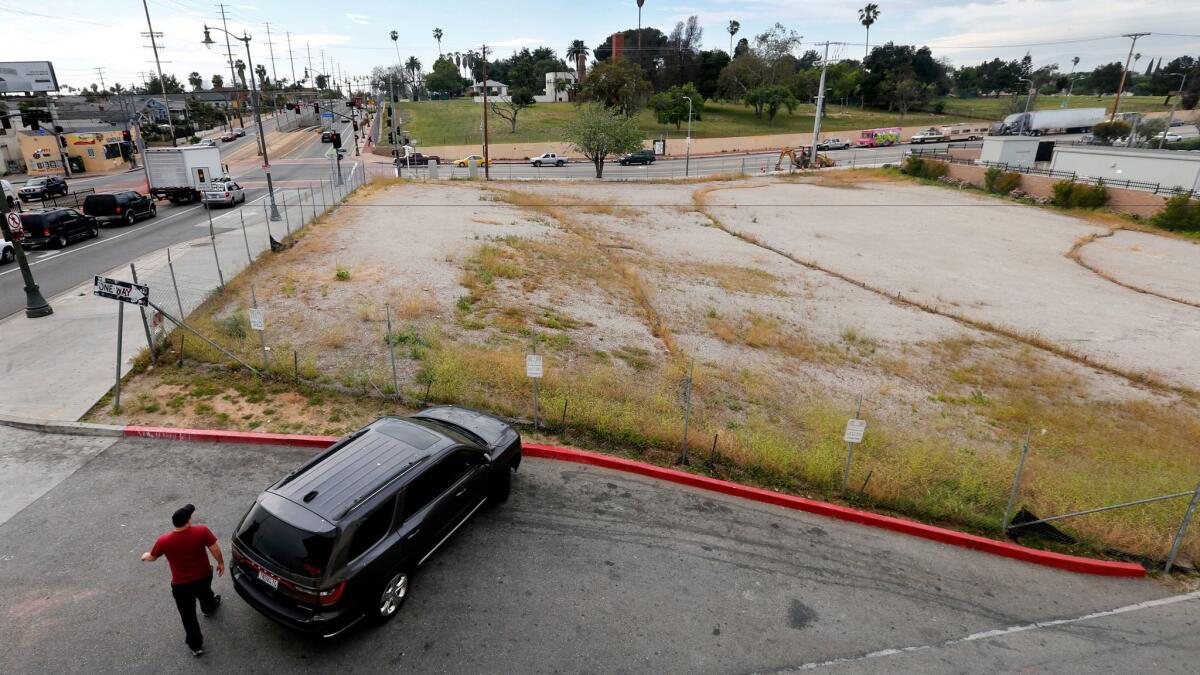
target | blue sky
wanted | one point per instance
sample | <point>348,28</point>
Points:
<point>87,34</point>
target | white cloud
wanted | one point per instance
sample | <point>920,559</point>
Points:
<point>361,19</point>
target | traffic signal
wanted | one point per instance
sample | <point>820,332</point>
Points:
<point>291,106</point>
<point>336,138</point>
<point>355,123</point>
<point>316,107</point>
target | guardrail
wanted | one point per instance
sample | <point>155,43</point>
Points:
<point>71,199</point>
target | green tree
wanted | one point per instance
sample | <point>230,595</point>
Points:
<point>618,85</point>
<point>195,80</point>
<point>508,108</point>
<point>770,99</point>
<point>240,66</point>
<point>1107,132</point>
<point>742,75</point>
<point>321,81</point>
<point>867,17</point>
<point>445,77</point>
<point>671,106</point>
<point>1106,78</point>
<point>598,132</point>
<point>218,81</point>
<point>261,71</point>
<point>173,86</point>
<point>712,62</point>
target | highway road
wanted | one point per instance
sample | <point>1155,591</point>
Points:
<point>57,271</point>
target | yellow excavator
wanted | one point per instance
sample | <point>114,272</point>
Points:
<point>802,157</point>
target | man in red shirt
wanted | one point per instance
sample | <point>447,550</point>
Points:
<point>191,576</point>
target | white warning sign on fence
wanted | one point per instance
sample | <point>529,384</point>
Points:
<point>257,320</point>
<point>855,429</point>
<point>533,365</point>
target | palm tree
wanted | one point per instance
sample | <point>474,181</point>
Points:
<point>240,66</point>
<point>733,29</point>
<point>218,81</point>
<point>867,16</point>
<point>195,80</point>
<point>413,66</point>
<point>261,71</point>
<point>576,51</point>
<point>437,35</point>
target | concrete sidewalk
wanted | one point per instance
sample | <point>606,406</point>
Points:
<point>58,367</point>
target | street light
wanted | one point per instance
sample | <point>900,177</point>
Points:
<point>1171,115</point>
<point>262,136</point>
<point>1071,86</point>
<point>687,163</point>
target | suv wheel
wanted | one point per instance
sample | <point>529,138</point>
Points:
<point>153,209</point>
<point>129,218</point>
<point>94,230</point>
<point>61,241</point>
<point>391,597</point>
<point>7,255</point>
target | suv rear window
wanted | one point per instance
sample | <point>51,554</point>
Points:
<point>294,549</point>
<point>36,219</point>
<point>100,205</point>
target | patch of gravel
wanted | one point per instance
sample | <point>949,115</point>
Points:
<point>1162,265</point>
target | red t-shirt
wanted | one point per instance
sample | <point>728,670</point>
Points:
<point>185,551</point>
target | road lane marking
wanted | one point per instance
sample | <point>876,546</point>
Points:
<point>986,635</point>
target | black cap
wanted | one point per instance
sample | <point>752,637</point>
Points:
<point>180,517</point>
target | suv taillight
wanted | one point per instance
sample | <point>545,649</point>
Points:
<point>326,597</point>
<point>118,209</point>
<point>45,232</point>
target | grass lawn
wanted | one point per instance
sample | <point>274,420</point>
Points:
<point>997,108</point>
<point>457,122</point>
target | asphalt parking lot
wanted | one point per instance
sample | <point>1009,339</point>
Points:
<point>584,570</point>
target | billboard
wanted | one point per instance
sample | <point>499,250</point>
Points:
<point>17,76</point>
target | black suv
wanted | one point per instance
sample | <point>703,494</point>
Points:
<point>638,157</point>
<point>339,538</point>
<point>57,227</point>
<point>41,188</point>
<point>119,207</point>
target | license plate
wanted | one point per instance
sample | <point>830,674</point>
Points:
<point>268,579</point>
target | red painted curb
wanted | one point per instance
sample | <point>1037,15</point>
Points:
<point>1001,548</point>
<point>218,436</point>
<point>993,546</point>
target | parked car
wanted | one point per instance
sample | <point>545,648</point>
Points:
<point>1176,122</point>
<point>478,161</point>
<point>327,136</point>
<point>339,539</point>
<point>642,156</point>
<point>1172,137</point>
<point>223,191</point>
<point>10,194</point>
<point>7,252</point>
<point>41,188</point>
<point>119,207</point>
<point>833,144</point>
<point>206,143</point>
<point>929,135</point>
<point>56,227</point>
<point>226,138</point>
<point>548,158</point>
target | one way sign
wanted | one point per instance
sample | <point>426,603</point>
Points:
<point>115,289</point>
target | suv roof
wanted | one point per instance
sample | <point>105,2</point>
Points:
<point>333,483</point>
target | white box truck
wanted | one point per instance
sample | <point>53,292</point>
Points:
<point>182,174</point>
<point>1069,120</point>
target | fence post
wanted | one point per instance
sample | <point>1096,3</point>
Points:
<point>1016,485</point>
<point>850,449</point>
<point>392,350</point>
<point>246,239</point>
<point>262,334</point>
<point>687,410</point>
<point>1183,526</point>
<point>182,335</point>
<point>145,323</point>
<point>212,236</point>
<point>312,197</point>
<point>286,220</point>
<point>533,350</point>
<point>300,201</point>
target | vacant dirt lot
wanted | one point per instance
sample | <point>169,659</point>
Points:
<point>961,322</point>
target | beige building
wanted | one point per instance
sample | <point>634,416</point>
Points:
<point>98,151</point>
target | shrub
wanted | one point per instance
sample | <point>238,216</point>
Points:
<point>1179,214</point>
<point>923,168</point>
<point>1000,182</point>
<point>1069,194</point>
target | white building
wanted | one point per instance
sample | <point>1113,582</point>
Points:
<point>557,87</point>
<point>1169,168</point>
<point>1014,150</point>
<point>495,90</point>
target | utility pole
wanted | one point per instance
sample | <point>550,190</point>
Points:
<point>1117,102</point>
<point>308,49</point>
<point>271,50</point>
<point>229,55</point>
<point>487,175</point>
<point>687,162</point>
<point>161,82</point>
<point>291,56</point>
<point>820,103</point>
<point>100,73</point>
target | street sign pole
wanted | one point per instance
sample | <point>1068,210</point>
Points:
<point>120,334</point>
<point>145,323</point>
<point>35,305</point>
<point>854,434</point>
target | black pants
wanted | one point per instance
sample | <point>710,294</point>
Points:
<point>186,596</point>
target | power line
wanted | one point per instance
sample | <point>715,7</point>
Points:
<point>271,49</point>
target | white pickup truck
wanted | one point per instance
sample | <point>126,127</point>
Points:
<point>549,158</point>
<point>929,135</point>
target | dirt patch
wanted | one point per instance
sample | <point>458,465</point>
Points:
<point>626,289</point>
